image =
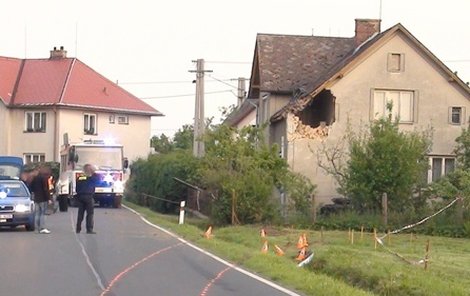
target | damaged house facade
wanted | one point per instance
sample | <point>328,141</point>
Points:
<point>311,90</point>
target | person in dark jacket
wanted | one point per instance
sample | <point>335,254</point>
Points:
<point>86,184</point>
<point>40,189</point>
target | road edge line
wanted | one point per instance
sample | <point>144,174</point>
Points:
<point>215,257</point>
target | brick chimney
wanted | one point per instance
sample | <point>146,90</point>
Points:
<point>58,53</point>
<point>365,28</point>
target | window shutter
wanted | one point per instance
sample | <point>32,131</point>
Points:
<point>449,119</point>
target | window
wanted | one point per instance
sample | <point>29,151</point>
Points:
<point>35,121</point>
<point>395,62</point>
<point>111,119</point>
<point>123,119</point>
<point>457,115</point>
<point>89,124</point>
<point>439,167</point>
<point>403,105</point>
<point>34,158</point>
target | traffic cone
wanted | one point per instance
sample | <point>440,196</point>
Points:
<point>302,254</point>
<point>264,249</point>
<point>263,232</point>
<point>300,242</point>
<point>305,240</point>
<point>278,250</point>
<point>208,233</point>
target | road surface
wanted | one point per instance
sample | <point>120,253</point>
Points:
<point>126,257</point>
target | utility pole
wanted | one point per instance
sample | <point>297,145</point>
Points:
<point>241,91</point>
<point>199,125</point>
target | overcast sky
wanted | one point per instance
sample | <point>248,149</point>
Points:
<point>139,41</point>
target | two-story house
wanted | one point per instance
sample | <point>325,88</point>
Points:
<point>41,100</point>
<point>311,90</point>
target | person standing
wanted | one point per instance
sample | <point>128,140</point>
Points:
<point>86,184</point>
<point>41,196</point>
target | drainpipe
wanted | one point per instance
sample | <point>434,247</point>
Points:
<point>56,135</point>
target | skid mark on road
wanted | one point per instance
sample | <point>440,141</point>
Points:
<point>87,258</point>
<point>208,286</point>
<point>226,263</point>
<point>133,266</point>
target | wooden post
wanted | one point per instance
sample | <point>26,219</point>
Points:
<point>426,257</point>
<point>314,209</point>
<point>459,211</point>
<point>234,212</point>
<point>352,237</point>
<point>362,232</point>
<point>385,209</point>
<point>321,234</point>
<point>375,239</point>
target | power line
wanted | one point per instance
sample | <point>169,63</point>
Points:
<point>157,82</point>
<point>186,95</point>
<point>457,61</point>
<point>227,62</point>
<point>221,81</point>
<point>163,82</point>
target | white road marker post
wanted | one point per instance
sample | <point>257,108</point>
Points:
<point>182,204</point>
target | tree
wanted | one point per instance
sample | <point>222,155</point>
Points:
<point>457,183</point>
<point>161,144</point>
<point>382,160</point>
<point>462,149</point>
<point>242,173</point>
<point>183,138</point>
<point>154,176</point>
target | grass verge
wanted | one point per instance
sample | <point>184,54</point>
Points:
<point>339,267</point>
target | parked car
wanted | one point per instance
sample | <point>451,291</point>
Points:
<point>16,206</point>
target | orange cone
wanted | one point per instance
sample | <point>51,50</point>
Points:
<point>300,242</point>
<point>263,232</point>
<point>302,254</point>
<point>305,240</point>
<point>278,250</point>
<point>208,233</point>
<point>264,249</point>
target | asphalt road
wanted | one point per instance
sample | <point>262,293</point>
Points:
<point>125,257</point>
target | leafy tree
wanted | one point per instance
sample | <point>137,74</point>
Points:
<point>457,183</point>
<point>462,150</point>
<point>154,176</point>
<point>161,144</point>
<point>383,160</point>
<point>243,172</point>
<point>183,138</point>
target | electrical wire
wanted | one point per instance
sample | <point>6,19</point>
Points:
<point>221,81</point>
<point>227,62</point>
<point>185,95</point>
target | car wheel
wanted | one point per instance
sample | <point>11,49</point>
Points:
<point>29,227</point>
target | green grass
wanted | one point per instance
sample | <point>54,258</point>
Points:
<point>338,268</point>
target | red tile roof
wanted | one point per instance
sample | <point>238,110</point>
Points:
<point>66,82</point>
<point>9,69</point>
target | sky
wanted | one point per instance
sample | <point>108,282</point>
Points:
<point>148,46</point>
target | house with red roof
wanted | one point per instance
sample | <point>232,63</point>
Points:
<point>310,91</point>
<point>41,100</point>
